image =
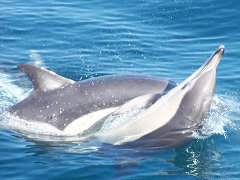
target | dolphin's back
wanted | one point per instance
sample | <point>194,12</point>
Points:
<point>61,105</point>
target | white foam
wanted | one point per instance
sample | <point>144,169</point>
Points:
<point>9,89</point>
<point>18,124</point>
<point>219,116</point>
<point>10,93</point>
<point>36,130</point>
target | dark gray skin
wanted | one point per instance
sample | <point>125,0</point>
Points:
<point>61,104</point>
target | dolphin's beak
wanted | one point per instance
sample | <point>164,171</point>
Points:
<point>210,64</point>
<point>214,60</point>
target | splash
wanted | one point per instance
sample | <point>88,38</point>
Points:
<point>219,116</point>
<point>10,93</point>
<point>8,88</point>
<point>15,123</point>
<point>35,130</point>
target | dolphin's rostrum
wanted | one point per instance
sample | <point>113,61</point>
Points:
<point>172,112</point>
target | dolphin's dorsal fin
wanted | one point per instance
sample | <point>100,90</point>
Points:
<point>44,79</point>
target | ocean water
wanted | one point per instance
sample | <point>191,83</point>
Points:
<point>85,39</point>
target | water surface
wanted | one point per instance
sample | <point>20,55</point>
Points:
<point>85,39</point>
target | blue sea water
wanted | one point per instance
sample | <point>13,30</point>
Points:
<point>85,39</point>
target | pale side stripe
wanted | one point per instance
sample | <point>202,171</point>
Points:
<point>86,121</point>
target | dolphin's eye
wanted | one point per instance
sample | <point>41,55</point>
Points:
<point>185,85</point>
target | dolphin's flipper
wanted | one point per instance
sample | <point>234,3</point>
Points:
<point>44,79</point>
<point>138,103</point>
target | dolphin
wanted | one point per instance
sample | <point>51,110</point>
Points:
<point>174,117</point>
<point>171,112</point>
<point>75,106</point>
